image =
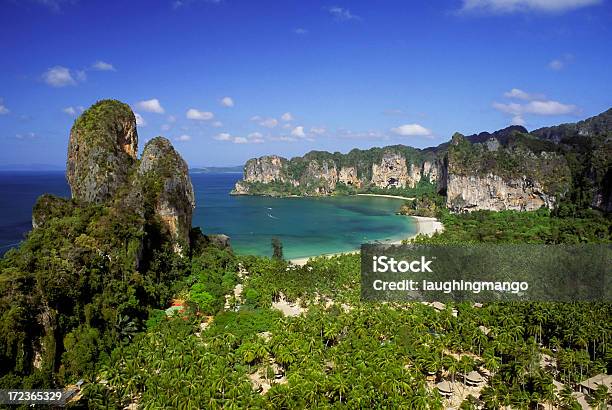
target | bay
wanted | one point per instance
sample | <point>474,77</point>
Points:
<point>305,226</point>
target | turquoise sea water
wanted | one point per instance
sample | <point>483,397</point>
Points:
<point>305,226</point>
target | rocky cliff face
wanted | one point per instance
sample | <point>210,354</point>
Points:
<point>589,143</point>
<point>348,176</point>
<point>265,169</point>
<point>101,151</point>
<point>508,169</point>
<point>111,247</point>
<point>492,192</point>
<point>320,177</point>
<point>320,173</point>
<point>489,176</point>
<point>391,172</point>
<point>164,176</point>
<point>102,168</point>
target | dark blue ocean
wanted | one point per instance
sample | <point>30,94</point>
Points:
<point>306,226</point>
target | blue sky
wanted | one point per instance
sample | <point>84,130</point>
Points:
<point>228,80</point>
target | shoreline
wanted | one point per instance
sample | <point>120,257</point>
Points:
<point>388,196</point>
<point>424,226</point>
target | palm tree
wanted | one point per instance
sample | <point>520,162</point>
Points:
<point>452,366</point>
<point>600,397</point>
<point>490,397</point>
<point>470,403</point>
<point>492,362</point>
<point>546,388</point>
<point>567,400</point>
<point>420,400</point>
<point>466,365</point>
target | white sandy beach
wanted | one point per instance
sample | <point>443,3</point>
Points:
<point>388,196</point>
<point>424,226</point>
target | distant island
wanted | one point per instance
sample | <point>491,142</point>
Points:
<point>217,170</point>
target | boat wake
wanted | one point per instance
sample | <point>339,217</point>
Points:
<point>272,216</point>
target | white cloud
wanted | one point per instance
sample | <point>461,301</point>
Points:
<point>255,137</point>
<point>59,76</point>
<point>285,139</point>
<point>533,104</point>
<point>217,124</point>
<point>265,122</point>
<point>183,138</point>
<point>171,118</point>
<point>227,102</point>
<point>510,108</point>
<point>3,109</point>
<point>252,138</point>
<point>514,6</point>
<point>73,111</point>
<point>287,126</point>
<point>298,132</point>
<point>536,107</point>
<point>287,116</point>
<point>318,130</point>
<point>166,127</point>
<point>342,14</point>
<point>269,123</point>
<point>549,108</point>
<point>183,3</point>
<point>411,130</point>
<point>152,105</point>
<point>28,135</point>
<point>224,136</point>
<point>139,120</point>
<point>556,65</point>
<point>70,111</point>
<point>300,31</point>
<point>517,93</point>
<point>371,134</point>
<point>560,63</point>
<point>194,114</point>
<point>102,66</point>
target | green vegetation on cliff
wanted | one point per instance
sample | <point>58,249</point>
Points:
<point>325,173</point>
<point>429,205</point>
<point>75,274</point>
<point>102,151</point>
<point>522,156</point>
<point>88,274</point>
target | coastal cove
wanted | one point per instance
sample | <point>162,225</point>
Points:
<point>306,226</point>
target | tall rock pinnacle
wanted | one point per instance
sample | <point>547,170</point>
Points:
<point>102,151</point>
